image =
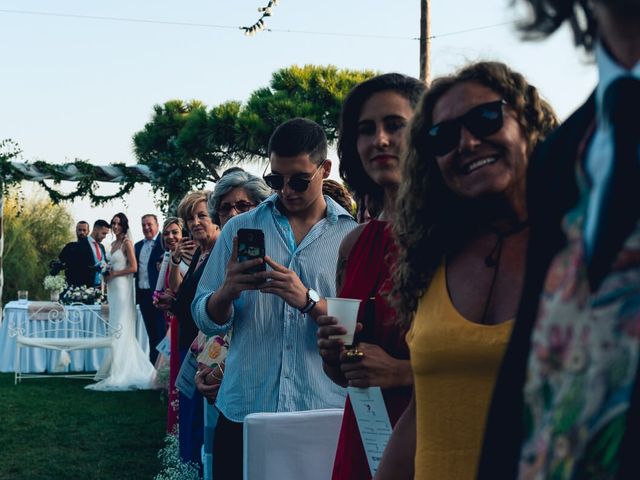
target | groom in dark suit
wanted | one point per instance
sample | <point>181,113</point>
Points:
<point>567,399</point>
<point>80,258</point>
<point>149,254</point>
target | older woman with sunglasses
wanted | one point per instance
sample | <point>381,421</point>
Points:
<point>235,193</point>
<point>462,234</point>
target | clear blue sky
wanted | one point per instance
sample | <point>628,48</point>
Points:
<point>78,87</point>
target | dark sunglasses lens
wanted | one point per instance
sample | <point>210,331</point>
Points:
<point>444,137</point>
<point>274,181</point>
<point>298,184</point>
<point>224,209</point>
<point>243,206</point>
<point>485,120</point>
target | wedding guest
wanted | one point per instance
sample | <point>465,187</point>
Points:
<point>204,232</point>
<point>82,230</point>
<point>567,400</point>
<point>236,192</point>
<point>172,231</point>
<point>80,258</point>
<point>372,126</point>
<point>462,233</point>
<point>148,254</point>
<point>272,365</point>
<point>339,194</point>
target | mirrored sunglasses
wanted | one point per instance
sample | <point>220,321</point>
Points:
<point>297,182</point>
<point>482,121</point>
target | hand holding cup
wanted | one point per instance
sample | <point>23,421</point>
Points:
<point>345,311</point>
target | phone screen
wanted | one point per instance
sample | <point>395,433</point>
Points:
<point>250,246</point>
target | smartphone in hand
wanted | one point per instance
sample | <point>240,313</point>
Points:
<point>250,246</point>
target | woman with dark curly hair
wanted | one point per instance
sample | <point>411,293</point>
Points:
<point>462,234</point>
<point>373,121</point>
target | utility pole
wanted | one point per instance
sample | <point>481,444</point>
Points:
<point>425,41</point>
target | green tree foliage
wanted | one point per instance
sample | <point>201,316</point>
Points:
<point>186,144</point>
<point>35,230</point>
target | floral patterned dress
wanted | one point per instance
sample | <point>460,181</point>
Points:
<point>583,362</point>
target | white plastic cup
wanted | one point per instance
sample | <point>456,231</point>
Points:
<point>345,310</point>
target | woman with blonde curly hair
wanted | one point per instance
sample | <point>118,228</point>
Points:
<point>462,234</point>
<point>203,232</point>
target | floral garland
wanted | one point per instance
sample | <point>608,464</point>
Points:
<point>85,174</point>
<point>86,182</point>
<point>8,176</point>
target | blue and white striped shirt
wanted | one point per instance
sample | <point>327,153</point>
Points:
<point>273,363</point>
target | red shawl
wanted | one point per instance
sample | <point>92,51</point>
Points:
<point>368,277</point>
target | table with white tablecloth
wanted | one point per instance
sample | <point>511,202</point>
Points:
<point>39,360</point>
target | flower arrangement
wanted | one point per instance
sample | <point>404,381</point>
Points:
<point>173,468</point>
<point>82,294</point>
<point>54,283</point>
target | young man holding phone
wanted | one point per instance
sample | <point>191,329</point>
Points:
<point>273,364</point>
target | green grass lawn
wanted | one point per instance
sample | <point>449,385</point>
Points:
<point>53,428</point>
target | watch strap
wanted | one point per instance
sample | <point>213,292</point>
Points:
<point>310,304</point>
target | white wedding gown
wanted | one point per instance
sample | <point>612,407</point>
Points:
<point>129,367</point>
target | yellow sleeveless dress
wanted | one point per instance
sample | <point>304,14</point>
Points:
<point>455,363</point>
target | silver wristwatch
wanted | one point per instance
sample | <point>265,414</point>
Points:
<point>312,299</point>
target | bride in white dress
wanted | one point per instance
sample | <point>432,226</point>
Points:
<point>129,367</point>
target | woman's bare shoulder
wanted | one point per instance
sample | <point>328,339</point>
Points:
<point>350,240</point>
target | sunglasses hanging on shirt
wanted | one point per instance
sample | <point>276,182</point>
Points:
<point>482,121</point>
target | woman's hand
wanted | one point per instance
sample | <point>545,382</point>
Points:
<point>329,348</point>
<point>184,250</point>
<point>163,300</point>
<point>376,368</point>
<point>208,381</point>
<point>332,349</point>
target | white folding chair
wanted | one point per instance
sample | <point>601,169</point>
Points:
<point>292,445</point>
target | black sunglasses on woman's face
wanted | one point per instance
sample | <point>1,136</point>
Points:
<point>239,207</point>
<point>482,121</point>
<point>297,182</point>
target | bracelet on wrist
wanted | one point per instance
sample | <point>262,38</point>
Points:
<point>174,262</point>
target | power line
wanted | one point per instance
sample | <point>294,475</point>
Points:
<point>118,19</point>
<point>339,34</point>
<point>459,32</point>
<point>230,27</point>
